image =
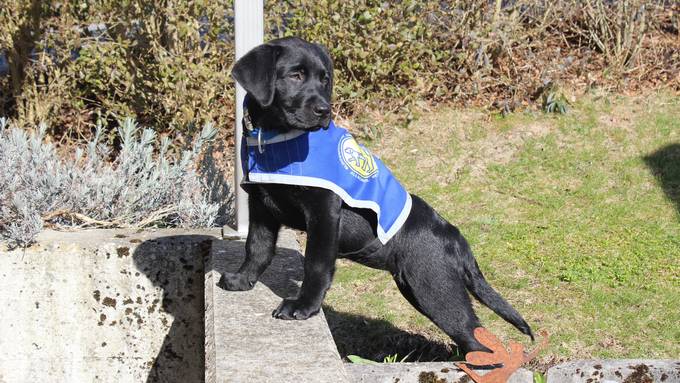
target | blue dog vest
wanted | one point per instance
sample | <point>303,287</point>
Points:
<point>330,159</point>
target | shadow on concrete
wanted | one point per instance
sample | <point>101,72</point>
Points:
<point>283,277</point>
<point>175,264</point>
<point>375,339</point>
<point>665,165</point>
<point>353,334</point>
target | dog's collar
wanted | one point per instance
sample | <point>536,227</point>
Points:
<point>256,136</point>
<point>261,138</point>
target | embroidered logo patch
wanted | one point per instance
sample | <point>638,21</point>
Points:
<point>357,158</point>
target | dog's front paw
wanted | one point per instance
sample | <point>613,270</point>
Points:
<point>294,309</point>
<point>235,282</point>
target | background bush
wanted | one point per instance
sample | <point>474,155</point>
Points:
<point>72,64</point>
<point>84,70</point>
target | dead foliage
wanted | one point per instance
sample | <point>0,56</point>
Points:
<point>72,65</point>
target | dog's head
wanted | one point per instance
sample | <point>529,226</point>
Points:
<point>291,80</point>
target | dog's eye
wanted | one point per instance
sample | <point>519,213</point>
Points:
<point>324,79</point>
<point>297,76</point>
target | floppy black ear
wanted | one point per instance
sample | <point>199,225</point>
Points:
<point>327,61</point>
<point>256,72</point>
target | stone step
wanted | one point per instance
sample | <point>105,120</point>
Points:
<point>617,370</point>
<point>421,372</point>
<point>244,343</point>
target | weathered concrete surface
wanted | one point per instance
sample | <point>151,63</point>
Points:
<point>628,371</point>
<point>245,344</point>
<point>436,372</point>
<point>104,306</point>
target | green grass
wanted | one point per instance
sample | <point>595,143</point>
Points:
<point>574,218</point>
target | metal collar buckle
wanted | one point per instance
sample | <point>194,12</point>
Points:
<point>248,125</point>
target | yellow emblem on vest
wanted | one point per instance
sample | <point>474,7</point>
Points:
<point>357,158</point>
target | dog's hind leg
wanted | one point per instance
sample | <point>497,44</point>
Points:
<point>443,299</point>
<point>260,248</point>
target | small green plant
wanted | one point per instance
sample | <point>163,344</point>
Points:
<point>390,358</point>
<point>539,378</point>
<point>554,100</point>
<point>555,104</point>
<point>356,359</point>
<point>387,359</point>
<point>457,353</point>
<point>395,358</point>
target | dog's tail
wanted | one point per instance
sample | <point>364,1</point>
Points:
<point>480,289</point>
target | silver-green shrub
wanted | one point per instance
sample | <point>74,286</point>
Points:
<point>148,183</point>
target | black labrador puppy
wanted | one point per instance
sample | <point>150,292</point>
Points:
<point>289,83</point>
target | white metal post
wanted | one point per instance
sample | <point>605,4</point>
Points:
<point>248,33</point>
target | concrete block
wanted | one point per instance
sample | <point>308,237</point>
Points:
<point>609,371</point>
<point>104,306</point>
<point>434,372</point>
<point>245,344</point>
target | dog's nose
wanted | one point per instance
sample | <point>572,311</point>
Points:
<point>321,110</point>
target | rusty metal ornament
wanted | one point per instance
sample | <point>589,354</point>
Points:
<point>511,359</point>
